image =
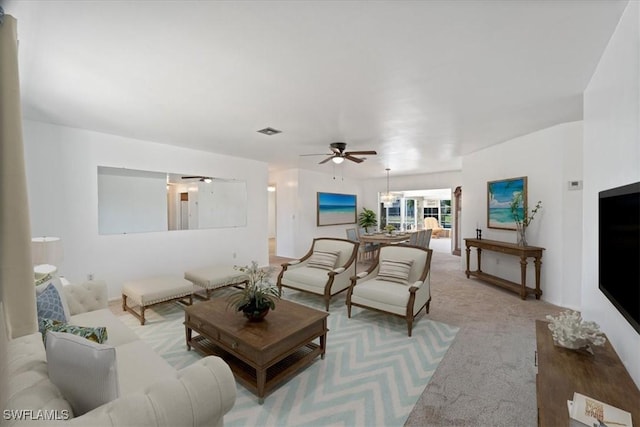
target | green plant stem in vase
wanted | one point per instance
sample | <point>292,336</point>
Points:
<point>521,236</point>
<point>258,296</point>
<point>522,220</point>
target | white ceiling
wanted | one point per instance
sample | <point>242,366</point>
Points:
<point>421,82</point>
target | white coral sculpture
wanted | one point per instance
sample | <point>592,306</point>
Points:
<point>570,331</point>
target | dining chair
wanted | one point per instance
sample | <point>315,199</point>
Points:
<point>413,238</point>
<point>425,238</point>
<point>368,248</point>
<point>352,234</point>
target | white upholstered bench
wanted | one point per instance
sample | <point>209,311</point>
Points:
<point>215,277</point>
<point>155,290</point>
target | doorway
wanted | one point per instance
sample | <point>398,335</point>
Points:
<point>410,207</point>
<point>271,219</point>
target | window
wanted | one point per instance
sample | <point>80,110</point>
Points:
<point>441,212</point>
<point>409,217</point>
<point>445,213</point>
<point>392,215</point>
<point>412,206</point>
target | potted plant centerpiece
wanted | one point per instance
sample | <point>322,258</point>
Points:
<point>367,218</point>
<point>258,296</point>
<point>389,228</point>
<point>523,219</point>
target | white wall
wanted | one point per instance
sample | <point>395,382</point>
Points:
<point>61,166</point>
<point>549,158</point>
<point>297,208</point>
<point>611,159</point>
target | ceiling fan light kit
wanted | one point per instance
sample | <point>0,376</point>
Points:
<point>338,155</point>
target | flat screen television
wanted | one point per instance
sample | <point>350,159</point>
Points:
<point>619,249</point>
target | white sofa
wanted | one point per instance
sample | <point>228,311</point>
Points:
<point>152,393</point>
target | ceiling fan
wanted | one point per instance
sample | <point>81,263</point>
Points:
<point>338,154</point>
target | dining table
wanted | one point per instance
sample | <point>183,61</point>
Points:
<point>384,239</point>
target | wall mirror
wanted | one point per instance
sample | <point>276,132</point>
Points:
<point>136,201</point>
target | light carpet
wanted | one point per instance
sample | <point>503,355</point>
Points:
<point>372,373</point>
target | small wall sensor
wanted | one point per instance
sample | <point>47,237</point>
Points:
<point>575,185</point>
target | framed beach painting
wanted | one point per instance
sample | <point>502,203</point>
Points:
<point>499,197</point>
<point>334,208</point>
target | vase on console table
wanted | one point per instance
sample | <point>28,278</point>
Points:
<point>521,233</point>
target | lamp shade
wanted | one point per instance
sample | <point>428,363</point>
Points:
<point>46,250</point>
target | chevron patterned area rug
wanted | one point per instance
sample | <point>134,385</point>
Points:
<point>372,373</point>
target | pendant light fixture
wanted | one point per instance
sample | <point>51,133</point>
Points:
<point>388,198</point>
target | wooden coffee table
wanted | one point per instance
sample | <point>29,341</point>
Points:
<point>260,354</point>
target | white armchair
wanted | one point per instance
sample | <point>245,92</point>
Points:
<point>325,270</point>
<point>399,283</point>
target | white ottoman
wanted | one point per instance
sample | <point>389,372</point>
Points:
<point>155,290</point>
<point>215,277</point>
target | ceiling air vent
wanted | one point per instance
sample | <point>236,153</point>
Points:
<point>270,131</point>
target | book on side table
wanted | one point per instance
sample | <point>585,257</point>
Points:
<point>585,411</point>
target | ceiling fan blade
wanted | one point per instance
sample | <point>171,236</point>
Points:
<point>361,153</point>
<point>326,160</point>
<point>353,159</point>
<point>192,177</point>
<point>322,154</point>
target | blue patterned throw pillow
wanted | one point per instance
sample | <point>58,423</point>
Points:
<point>50,305</point>
<point>96,334</point>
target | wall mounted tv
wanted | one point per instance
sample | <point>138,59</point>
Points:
<point>619,249</point>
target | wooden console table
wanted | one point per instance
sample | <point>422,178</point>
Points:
<point>561,372</point>
<point>523,252</point>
